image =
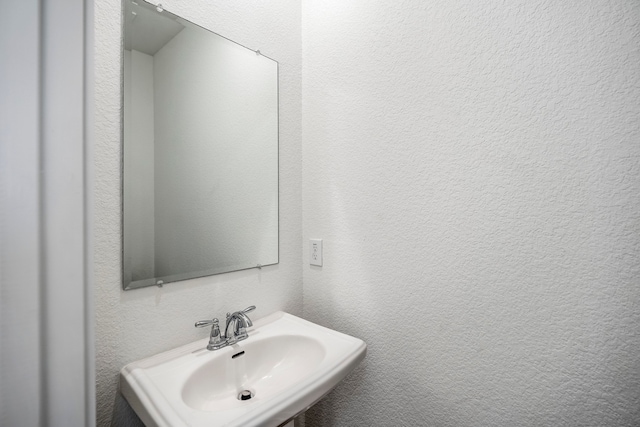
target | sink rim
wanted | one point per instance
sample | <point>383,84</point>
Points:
<point>139,381</point>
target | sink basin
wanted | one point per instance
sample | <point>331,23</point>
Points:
<point>285,366</point>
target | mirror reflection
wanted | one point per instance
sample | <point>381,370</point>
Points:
<point>200,151</point>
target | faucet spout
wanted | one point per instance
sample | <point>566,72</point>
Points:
<point>238,322</point>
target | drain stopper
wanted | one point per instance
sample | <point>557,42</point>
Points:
<point>245,395</point>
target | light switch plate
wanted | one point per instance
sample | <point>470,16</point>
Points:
<point>315,252</point>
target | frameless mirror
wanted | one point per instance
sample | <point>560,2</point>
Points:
<point>200,151</point>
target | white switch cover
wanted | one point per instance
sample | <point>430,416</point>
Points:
<point>315,252</point>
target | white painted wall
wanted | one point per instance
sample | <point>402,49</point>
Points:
<point>474,171</point>
<point>135,324</point>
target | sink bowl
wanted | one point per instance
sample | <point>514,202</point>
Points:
<point>284,367</point>
<point>267,367</point>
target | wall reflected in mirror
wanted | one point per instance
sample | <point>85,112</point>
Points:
<point>200,151</point>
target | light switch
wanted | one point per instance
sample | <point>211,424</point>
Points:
<point>315,252</point>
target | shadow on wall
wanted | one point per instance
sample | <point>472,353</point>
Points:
<point>322,414</point>
<point>123,414</point>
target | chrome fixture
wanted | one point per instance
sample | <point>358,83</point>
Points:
<point>216,341</point>
<point>237,321</point>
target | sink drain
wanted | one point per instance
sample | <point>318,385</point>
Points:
<point>245,395</point>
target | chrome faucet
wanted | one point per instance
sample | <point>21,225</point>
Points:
<point>238,320</point>
<point>216,341</point>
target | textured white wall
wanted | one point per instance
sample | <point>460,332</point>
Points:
<point>474,171</point>
<point>135,324</point>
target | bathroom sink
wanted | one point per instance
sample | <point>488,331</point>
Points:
<point>285,366</point>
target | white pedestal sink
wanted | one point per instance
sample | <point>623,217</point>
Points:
<point>287,364</point>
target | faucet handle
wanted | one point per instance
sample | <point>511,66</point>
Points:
<point>203,323</point>
<point>243,312</point>
<point>216,340</point>
<point>246,322</point>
